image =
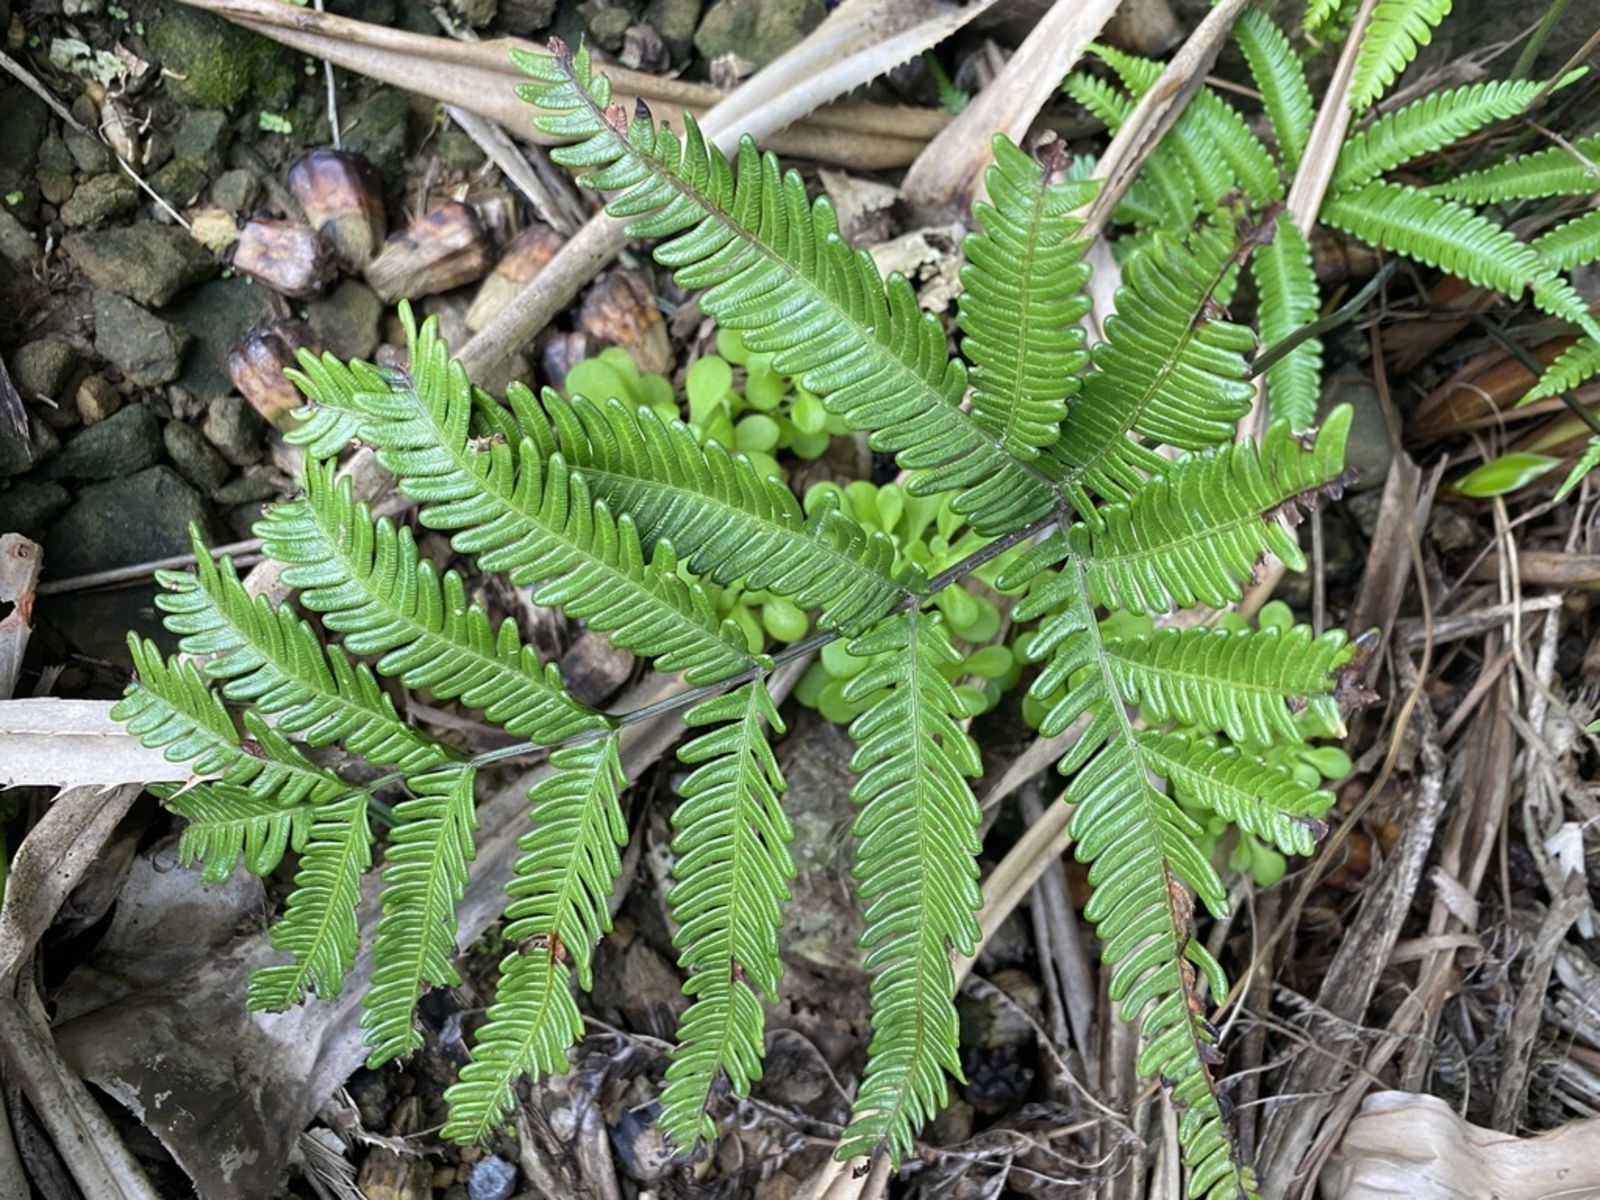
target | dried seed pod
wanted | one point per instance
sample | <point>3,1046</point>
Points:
<point>288,258</point>
<point>343,200</point>
<point>620,309</point>
<point>437,252</point>
<point>257,361</point>
<point>524,258</point>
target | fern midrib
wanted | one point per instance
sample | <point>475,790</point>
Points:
<point>544,1008</point>
<point>1269,691</point>
<point>349,861</point>
<point>362,576</point>
<point>593,823</point>
<point>865,333</point>
<point>423,923</point>
<point>1160,549</point>
<point>644,596</point>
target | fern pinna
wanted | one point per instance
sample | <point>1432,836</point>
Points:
<point>600,507</point>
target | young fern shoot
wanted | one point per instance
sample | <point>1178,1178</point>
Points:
<point>594,504</point>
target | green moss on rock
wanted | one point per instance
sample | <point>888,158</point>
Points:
<point>210,63</point>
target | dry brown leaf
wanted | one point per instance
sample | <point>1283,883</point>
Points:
<point>75,743</point>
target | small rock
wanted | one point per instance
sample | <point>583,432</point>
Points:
<point>147,350</point>
<point>379,129</point>
<point>235,428</point>
<point>235,191</point>
<point>522,17</point>
<point>22,133</point>
<point>607,26</point>
<point>457,151</point>
<point>212,64</point>
<point>1368,453</point>
<point>100,199</point>
<point>347,319</point>
<point>55,171</point>
<point>493,1178</point>
<point>675,21</point>
<point>217,314</point>
<point>126,521</point>
<point>17,244</point>
<point>123,443</point>
<point>147,263</point>
<point>97,399</point>
<point>194,457</point>
<point>250,488</point>
<point>179,182</point>
<point>42,369</point>
<point>92,155</point>
<point>82,8</point>
<point>203,138</point>
<point>756,30</point>
<point>27,506</point>
<point>241,521</point>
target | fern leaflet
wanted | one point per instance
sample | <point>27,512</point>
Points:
<point>1397,29</point>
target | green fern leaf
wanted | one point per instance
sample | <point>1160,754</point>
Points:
<point>1398,28</point>
<point>916,871</point>
<point>1556,171</point>
<point>1281,80</point>
<point>1145,860</point>
<point>1289,299</point>
<point>1574,243</point>
<point>273,660</point>
<point>370,584</point>
<point>225,822</point>
<point>1263,800</point>
<point>730,524</point>
<point>1189,394</point>
<point>319,925</point>
<point>732,877</point>
<point>1456,240</point>
<point>1422,127</point>
<point>774,267</point>
<point>523,513</point>
<point>1193,534</point>
<point>170,708</point>
<point>561,883</point>
<point>424,878</point>
<point>1022,302</point>
<point>1320,14</point>
<point>1577,364</point>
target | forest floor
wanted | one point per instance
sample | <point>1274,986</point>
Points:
<point>1440,942</point>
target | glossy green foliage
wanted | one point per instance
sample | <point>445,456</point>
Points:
<point>1397,30</point>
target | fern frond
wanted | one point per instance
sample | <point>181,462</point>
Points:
<point>560,885</point>
<point>1193,534</point>
<point>729,523</point>
<point>916,871</point>
<point>522,512</point>
<point>1456,240</point>
<point>1022,302</point>
<point>169,708</point>
<point>319,925</point>
<point>1321,13</point>
<point>1577,364</point>
<point>424,878</point>
<point>369,582</point>
<point>1425,125</point>
<point>1168,370</point>
<point>225,822</point>
<point>1587,461</point>
<point>273,660</point>
<point>1281,80</point>
<point>732,875</point>
<point>775,268</point>
<point>1556,171</point>
<point>1263,800</point>
<point>1397,29</point>
<point>1288,297</point>
<point>1574,243</point>
<point>1145,860</point>
<point>1248,684</point>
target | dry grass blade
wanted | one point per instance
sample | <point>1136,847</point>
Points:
<point>20,563</point>
<point>948,174</point>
